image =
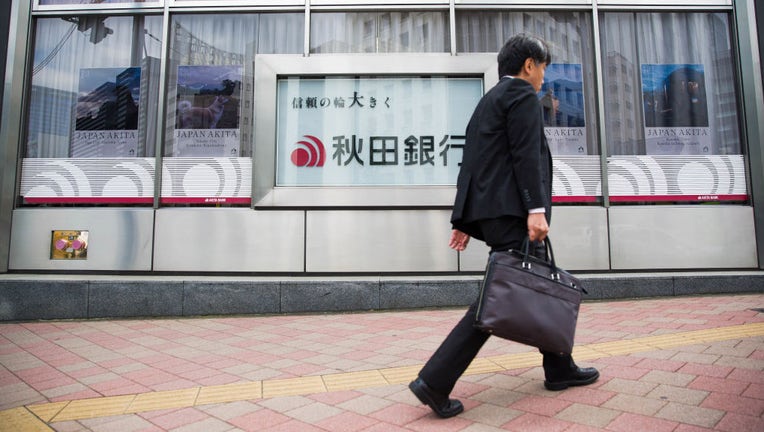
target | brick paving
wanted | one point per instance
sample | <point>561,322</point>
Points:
<point>348,372</point>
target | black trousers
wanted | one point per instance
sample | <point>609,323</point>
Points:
<point>461,346</point>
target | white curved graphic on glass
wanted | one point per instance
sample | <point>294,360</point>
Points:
<point>201,180</point>
<point>207,180</point>
<point>229,177</point>
<point>566,180</point>
<point>80,178</point>
<point>120,186</point>
<point>141,174</point>
<point>695,178</point>
<point>87,180</point>
<point>677,178</point>
<point>61,182</point>
<point>655,171</point>
<point>626,178</point>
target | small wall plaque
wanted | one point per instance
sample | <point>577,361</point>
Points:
<point>69,244</point>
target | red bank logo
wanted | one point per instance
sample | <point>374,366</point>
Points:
<point>309,153</point>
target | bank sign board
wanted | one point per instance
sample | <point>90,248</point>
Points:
<point>401,131</point>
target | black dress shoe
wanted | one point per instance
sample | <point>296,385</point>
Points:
<point>441,404</point>
<point>576,377</point>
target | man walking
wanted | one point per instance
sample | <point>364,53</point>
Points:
<point>504,193</point>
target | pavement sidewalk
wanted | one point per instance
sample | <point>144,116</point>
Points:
<point>680,364</point>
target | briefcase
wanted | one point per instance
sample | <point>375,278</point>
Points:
<point>529,300</point>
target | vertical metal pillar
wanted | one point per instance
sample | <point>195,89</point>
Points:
<point>601,106</point>
<point>18,31</point>
<point>753,109</point>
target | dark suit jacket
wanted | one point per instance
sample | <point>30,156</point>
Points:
<point>506,165</point>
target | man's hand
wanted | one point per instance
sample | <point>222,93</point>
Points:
<point>458,240</point>
<point>537,226</point>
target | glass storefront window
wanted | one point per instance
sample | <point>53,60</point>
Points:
<point>92,110</point>
<point>567,96</point>
<point>379,32</point>
<point>210,100</point>
<point>672,126</point>
<point>671,108</point>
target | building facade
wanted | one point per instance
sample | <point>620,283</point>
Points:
<point>324,136</point>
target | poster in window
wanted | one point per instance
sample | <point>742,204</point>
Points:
<point>106,113</point>
<point>562,102</point>
<point>676,109</point>
<point>207,111</point>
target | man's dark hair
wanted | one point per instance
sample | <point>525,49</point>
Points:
<point>519,48</point>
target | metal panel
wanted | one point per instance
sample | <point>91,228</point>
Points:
<point>474,258</point>
<point>682,237</point>
<point>119,239</point>
<point>10,118</point>
<point>214,239</point>
<point>379,241</point>
<point>752,94</point>
<point>579,237</point>
<point>360,196</point>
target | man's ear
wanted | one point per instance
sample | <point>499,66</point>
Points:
<point>528,65</point>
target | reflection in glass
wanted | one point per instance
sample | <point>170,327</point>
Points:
<point>205,94</point>
<point>562,96</point>
<point>379,32</point>
<point>671,108</point>
<point>567,96</point>
<point>677,77</point>
<point>210,102</point>
<point>94,73</point>
<point>109,99</point>
<point>674,95</point>
<point>211,73</point>
<point>208,110</point>
<point>92,122</point>
<point>108,102</point>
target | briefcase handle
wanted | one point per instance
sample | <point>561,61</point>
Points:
<point>549,256</point>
